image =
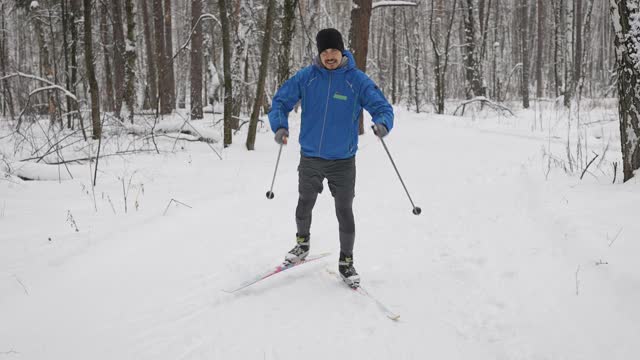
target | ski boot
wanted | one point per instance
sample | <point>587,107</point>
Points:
<point>299,252</point>
<point>347,271</point>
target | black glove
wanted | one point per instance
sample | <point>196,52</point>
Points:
<point>281,136</point>
<point>380,130</point>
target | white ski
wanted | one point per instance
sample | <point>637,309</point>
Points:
<point>278,269</point>
<point>362,291</point>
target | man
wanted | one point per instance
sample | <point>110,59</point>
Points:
<point>332,92</point>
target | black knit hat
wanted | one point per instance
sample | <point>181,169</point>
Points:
<point>329,39</point>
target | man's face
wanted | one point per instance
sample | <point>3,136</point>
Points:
<point>331,58</point>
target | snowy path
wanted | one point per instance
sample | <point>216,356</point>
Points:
<point>500,265</point>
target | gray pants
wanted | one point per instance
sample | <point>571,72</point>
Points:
<point>341,176</point>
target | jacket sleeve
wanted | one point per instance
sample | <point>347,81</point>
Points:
<point>284,100</point>
<point>373,100</point>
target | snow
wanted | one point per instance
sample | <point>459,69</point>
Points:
<point>511,258</point>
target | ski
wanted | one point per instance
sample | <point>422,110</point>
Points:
<point>278,269</point>
<point>362,291</point>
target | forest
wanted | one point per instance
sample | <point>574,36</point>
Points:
<point>147,205</point>
<point>85,64</point>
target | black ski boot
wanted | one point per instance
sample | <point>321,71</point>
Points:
<point>347,271</point>
<point>299,252</point>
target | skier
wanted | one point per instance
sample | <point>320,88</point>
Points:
<point>332,92</point>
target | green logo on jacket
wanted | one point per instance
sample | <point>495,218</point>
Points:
<point>339,97</point>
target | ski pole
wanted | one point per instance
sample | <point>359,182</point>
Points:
<point>270,192</point>
<point>416,209</point>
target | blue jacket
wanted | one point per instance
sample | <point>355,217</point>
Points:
<point>332,101</point>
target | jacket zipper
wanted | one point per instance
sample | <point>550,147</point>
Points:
<point>326,109</point>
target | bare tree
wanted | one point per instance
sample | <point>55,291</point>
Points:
<point>264,63</point>
<point>539,49</point>
<point>130,57</point>
<point>394,56</point>
<point>168,53</point>
<point>4,59</point>
<point>577,53</point>
<point>91,75</point>
<point>109,103</point>
<point>558,7</point>
<point>38,17</point>
<point>440,49</point>
<point>524,8</point>
<point>627,36</point>
<point>471,62</point>
<point>228,86</point>
<point>286,35</point>
<point>151,91</point>
<point>164,86</point>
<point>118,54</point>
<point>196,60</point>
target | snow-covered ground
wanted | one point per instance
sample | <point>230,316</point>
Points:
<point>513,257</point>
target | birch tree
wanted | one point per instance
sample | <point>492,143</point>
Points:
<point>625,15</point>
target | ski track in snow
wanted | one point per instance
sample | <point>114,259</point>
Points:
<point>500,265</point>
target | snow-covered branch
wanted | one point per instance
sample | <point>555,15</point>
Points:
<point>392,3</point>
<point>37,78</point>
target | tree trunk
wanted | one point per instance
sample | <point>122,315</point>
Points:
<point>577,54</point>
<point>6,89</point>
<point>65,50</point>
<point>569,41</point>
<point>75,41</point>
<point>238,76</point>
<point>151,91</point>
<point>164,88</point>
<point>525,53</point>
<point>109,103</point>
<point>472,66</point>
<point>118,55</point>
<point>394,57</point>
<point>440,50</point>
<point>264,66</point>
<point>228,86</point>
<point>557,45</point>
<point>130,57</point>
<point>286,35</point>
<point>45,61</point>
<point>627,36</point>
<point>359,37</point>
<point>183,72</point>
<point>91,75</point>
<point>540,47</point>
<point>196,60</point>
<point>168,51</point>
